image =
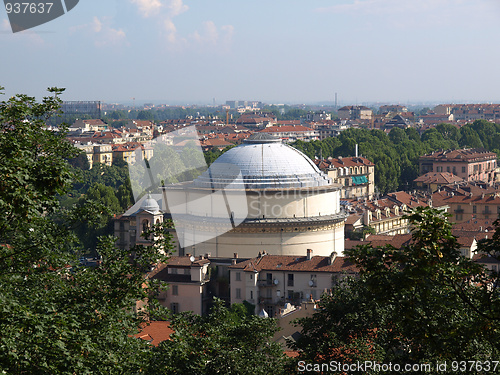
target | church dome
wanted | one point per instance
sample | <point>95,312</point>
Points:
<point>149,204</point>
<point>263,162</point>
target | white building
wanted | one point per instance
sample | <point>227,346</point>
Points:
<point>271,281</point>
<point>290,204</point>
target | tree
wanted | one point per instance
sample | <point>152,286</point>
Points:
<point>421,303</point>
<point>56,316</point>
<point>227,341</point>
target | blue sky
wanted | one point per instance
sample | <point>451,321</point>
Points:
<point>279,51</point>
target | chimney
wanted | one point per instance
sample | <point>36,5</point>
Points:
<point>332,258</point>
<point>235,255</point>
<point>309,254</point>
<point>233,261</point>
<point>201,257</point>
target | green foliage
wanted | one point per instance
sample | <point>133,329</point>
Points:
<point>56,316</point>
<point>419,304</point>
<point>396,154</point>
<point>224,342</point>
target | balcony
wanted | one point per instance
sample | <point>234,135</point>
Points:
<point>459,211</point>
<point>267,283</point>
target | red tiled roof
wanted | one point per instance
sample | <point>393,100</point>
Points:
<point>350,161</point>
<point>469,154</point>
<point>286,128</point>
<point>155,332</point>
<point>296,264</point>
<point>438,178</point>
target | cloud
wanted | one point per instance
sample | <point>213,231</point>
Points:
<point>148,7</point>
<point>5,26</point>
<point>210,35</point>
<point>102,32</point>
<point>165,13</point>
<point>177,7</point>
<point>170,30</point>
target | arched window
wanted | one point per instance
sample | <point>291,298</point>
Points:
<point>145,225</point>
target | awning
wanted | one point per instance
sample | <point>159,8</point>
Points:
<point>358,180</point>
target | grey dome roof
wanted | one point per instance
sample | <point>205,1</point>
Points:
<point>264,163</point>
<point>149,204</point>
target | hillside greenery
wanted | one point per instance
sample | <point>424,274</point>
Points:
<point>395,154</point>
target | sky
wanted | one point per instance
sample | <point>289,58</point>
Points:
<point>276,51</point>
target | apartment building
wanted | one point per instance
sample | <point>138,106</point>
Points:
<point>473,164</point>
<point>271,281</point>
<point>356,174</point>
<point>355,112</point>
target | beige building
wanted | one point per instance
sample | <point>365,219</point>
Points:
<point>187,280</point>
<point>97,153</point>
<point>385,215</point>
<point>473,164</point>
<point>271,281</point>
<point>355,174</point>
<point>466,206</point>
<point>103,154</point>
<point>355,112</point>
<point>432,181</point>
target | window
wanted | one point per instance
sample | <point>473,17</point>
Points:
<point>187,271</point>
<point>290,294</point>
<point>238,293</point>
<point>463,169</point>
<point>174,271</point>
<point>447,169</point>
<point>290,279</point>
<point>174,307</point>
<point>313,280</point>
<point>269,278</point>
<point>454,170</point>
<point>251,294</point>
<point>175,290</point>
<point>238,276</point>
<point>474,209</point>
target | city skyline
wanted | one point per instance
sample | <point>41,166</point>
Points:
<point>179,51</point>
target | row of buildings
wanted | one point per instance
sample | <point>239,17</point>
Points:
<point>302,214</point>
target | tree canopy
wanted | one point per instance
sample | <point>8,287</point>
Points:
<point>422,303</point>
<point>56,316</point>
<point>227,341</point>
